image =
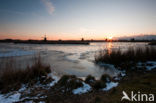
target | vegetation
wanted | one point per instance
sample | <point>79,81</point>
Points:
<point>152,43</point>
<point>67,83</point>
<point>90,79</point>
<point>131,56</point>
<point>135,81</point>
<point>99,85</point>
<point>105,78</point>
<point>13,78</point>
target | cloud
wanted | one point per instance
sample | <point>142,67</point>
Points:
<point>49,6</point>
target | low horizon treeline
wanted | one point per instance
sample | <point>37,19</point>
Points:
<point>87,40</point>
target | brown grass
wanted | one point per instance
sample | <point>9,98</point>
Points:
<point>67,83</point>
<point>12,78</point>
<point>118,57</point>
<point>143,82</point>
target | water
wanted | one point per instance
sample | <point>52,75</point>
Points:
<point>65,59</point>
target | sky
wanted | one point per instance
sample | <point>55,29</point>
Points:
<point>74,19</point>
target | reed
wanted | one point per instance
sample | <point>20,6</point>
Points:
<point>132,55</point>
<point>12,78</point>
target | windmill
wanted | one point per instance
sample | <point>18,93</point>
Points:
<point>44,38</point>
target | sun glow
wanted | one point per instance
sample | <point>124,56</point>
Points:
<point>110,38</point>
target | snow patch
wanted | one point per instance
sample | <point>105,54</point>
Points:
<point>110,85</point>
<point>152,66</point>
<point>83,89</point>
<point>149,65</point>
<point>56,79</point>
<point>23,88</point>
<point>10,99</point>
<point>123,73</point>
<point>15,96</point>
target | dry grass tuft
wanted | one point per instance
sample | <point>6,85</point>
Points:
<point>12,78</point>
<point>68,82</point>
<point>132,55</point>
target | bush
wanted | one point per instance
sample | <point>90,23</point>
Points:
<point>99,85</point>
<point>90,79</point>
<point>69,82</point>
<point>105,78</point>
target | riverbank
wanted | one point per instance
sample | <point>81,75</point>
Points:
<point>49,87</point>
<point>152,43</point>
<point>44,86</point>
<point>70,89</point>
<point>45,42</point>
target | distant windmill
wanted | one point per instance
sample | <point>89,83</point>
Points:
<point>44,38</point>
<point>82,39</point>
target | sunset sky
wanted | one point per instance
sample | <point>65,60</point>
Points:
<point>74,19</point>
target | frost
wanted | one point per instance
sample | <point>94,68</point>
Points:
<point>149,65</point>
<point>56,79</point>
<point>82,90</point>
<point>10,99</point>
<point>152,66</point>
<point>123,73</point>
<point>110,85</point>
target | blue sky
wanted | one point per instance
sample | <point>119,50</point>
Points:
<point>73,19</point>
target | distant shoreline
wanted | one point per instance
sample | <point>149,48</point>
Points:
<point>84,42</point>
<point>44,42</point>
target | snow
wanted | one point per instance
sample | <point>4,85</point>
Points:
<point>117,78</point>
<point>56,79</point>
<point>29,102</point>
<point>153,65</point>
<point>12,96</point>
<point>23,88</point>
<point>15,52</point>
<point>10,99</point>
<point>15,96</point>
<point>41,102</point>
<point>123,73</point>
<point>83,89</point>
<point>146,64</point>
<point>110,85</point>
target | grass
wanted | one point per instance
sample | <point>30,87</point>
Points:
<point>90,79</point>
<point>100,84</point>
<point>117,57</point>
<point>135,81</point>
<point>67,83</point>
<point>12,78</point>
<point>152,43</point>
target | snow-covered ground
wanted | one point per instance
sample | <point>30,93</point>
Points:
<point>84,89</point>
<point>149,65</point>
<point>56,79</point>
<point>16,95</point>
<point>10,99</point>
<point>110,85</point>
